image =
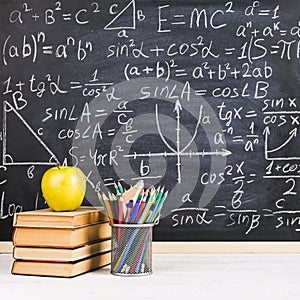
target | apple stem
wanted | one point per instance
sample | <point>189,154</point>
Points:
<point>58,165</point>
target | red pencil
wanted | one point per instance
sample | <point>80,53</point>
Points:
<point>120,217</point>
<point>142,205</point>
<point>132,268</point>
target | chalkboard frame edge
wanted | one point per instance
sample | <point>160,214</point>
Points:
<point>210,247</point>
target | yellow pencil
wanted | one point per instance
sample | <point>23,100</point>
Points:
<point>146,211</point>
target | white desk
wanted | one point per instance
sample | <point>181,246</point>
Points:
<point>175,276</point>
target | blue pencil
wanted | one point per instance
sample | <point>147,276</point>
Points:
<point>124,254</point>
<point>128,211</point>
<point>134,211</point>
<point>138,266</point>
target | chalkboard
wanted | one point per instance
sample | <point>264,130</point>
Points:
<point>201,97</point>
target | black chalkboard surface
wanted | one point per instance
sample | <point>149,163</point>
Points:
<point>201,97</point>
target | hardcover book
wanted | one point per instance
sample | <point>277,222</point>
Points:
<point>84,215</point>
<point>60,269</point>
<point>61,254</point>
<point>60,237</point>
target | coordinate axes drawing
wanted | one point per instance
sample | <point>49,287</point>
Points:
<point>180,150</point>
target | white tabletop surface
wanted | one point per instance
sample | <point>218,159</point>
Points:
<point>175,276</point>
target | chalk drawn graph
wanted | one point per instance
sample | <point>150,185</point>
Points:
<point>292,135</point>
<point>161,146</point>
<point>179,151</point>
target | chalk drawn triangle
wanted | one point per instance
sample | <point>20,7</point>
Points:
<point>29,144</point>
<point>125,19</point>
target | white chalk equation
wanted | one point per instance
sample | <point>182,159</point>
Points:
<point>124,18</point>
<point>200,98</point>
<point>35,45</point>
<point>162,125</point>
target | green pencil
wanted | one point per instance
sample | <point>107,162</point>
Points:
<point>103,204</point>
<point>159,206</point>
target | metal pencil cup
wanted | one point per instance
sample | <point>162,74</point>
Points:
<point>131,253</point>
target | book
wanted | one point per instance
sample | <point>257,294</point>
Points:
<point>60,269</point>
<point>84,215</point>
<point>60,237</point>
<point>61,254</point>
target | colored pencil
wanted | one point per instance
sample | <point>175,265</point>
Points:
<point>133,206</point>
<point>120,187</point>
<point>108,207</point>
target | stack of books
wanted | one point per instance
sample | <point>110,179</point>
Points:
<point>63,244</point>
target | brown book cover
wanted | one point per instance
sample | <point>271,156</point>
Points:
<point>61,254</point>
<point>60,237</point>
<point>84,215</point>
<point>60,269</point>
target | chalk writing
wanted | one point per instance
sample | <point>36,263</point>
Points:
<point>202,98</point>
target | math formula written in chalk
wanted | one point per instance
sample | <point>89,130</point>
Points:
<point>200,98</point>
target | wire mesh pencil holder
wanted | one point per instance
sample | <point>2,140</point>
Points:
<point>131,253</point>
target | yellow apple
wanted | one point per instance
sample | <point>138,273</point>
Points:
<point>63,187</point>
